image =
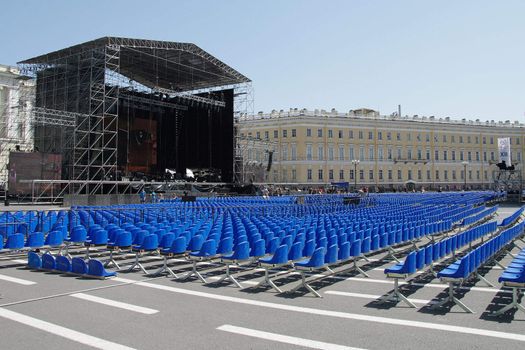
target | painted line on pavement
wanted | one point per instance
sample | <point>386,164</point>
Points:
<point>370,296</point>
<point>335,314</point>
<point>16,280</point>
<point>117,304</point>
<point>62,331</point>
<point>307,343</point>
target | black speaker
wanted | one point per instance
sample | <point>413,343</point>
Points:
<point>270,158</point>
<point>189,198</point>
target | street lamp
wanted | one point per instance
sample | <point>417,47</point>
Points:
<point>355,162</point>
<point>465,163</point>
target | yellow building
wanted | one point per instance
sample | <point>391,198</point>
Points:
<point>321,147</point>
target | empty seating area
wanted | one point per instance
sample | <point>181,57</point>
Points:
<point>236,239</point>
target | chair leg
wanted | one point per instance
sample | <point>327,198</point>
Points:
<point>452,299</point>
<point>268,282</point>
<point>194,272</point>
<point>391,255</point>
<point>512,305</point>
<point>136,264</point>
<point>111,261</point>
<point>306,286</point>
<point>228,276</point>
<point>360,270</point>
<point>488,283</point>
<point>396,295</point>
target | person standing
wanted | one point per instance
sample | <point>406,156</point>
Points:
<point>142,195</point>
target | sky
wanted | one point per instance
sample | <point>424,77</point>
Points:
<point>456,58</point>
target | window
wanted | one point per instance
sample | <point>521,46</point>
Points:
<point>436,155</point>
<point>469,156</point>
<point>285,175</point>
<point>380,153</point>
<point>361,174</point>
<point>445,155</point>
<point>350,134</point>
<point>309,174</point>
<point>477,174</point>
<point>351,153</point>
<point>319,132</point>
<point>484,156</point>
<point>517,140</point>
<point>419,177</point>
<point>320,174</point>
<point>428,175</point>
<point>380,174</point>
<point>470,174</point>
<point>284,152</point>
<point>486,174</point>
<point>468,139</point>
<point>409,153</point>
<point>437,174</point>
<point>409,174</point>
<point>492,156</point>
<point>294,133</point>
<point>399,155</point>
<point>341,152</point>
<point>330,152</point>
<point>484,140</point>
<point>453,175</point>
<point>453,139</point>
<point>453,155</point>
<point>351,174</point>
<point>399,174</point>
<point>308,152</point>
<point>360,135</point>
<point>371,153</point>
<point>330,134</point>
<point>308,132</point>
<point>370,135</point>
<point>477,140</point>
<point>258,135</point>
<point>275,134</point>
<point>285,133</point>
<point>445,174</point>
<point>390,174</point>
<point>362,153</point>
<point>419,154</point>
<point>370,174</point>
<point>340,134</point>
<point>293,152</point>
<point>389,136</point>
<point>444,138</point>
<point>398,136</point>
<point>460,138</point>
<point>462,174</point>
<point>418,136</point>
<point>266,135</point>
<point>461,156</point>
<point>491,140</point>
<point>341,174</point>
<point>427,137</point>
<point>294,174</point>
<point>389,153</point>
<point>379,135</point>
<point>428,154</point>
<point>320,152</point>
<point>331,174</point>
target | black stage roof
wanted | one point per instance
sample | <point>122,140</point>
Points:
<point>153,63</point>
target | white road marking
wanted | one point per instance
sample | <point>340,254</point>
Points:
<point>20,261</point>
<point>16,280</point>
<point>336,314</point>
<point>118,304</point>
<point>429,285</point>
<point>62,331</point>
<point>307,343</point>
<point>370,296</point>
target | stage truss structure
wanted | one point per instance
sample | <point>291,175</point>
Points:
<point>78,90</point>
<point>251,159</point>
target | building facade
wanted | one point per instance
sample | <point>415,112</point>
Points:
<point>16,103</point>
<point>364,148</point>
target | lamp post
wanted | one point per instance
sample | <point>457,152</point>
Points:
<point>355,162</point>
<point>465,163</point>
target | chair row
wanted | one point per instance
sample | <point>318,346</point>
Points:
<point>514,277</point>
<point>512,218</point>
<point>431,254</point>
<point>91,268</point>
<point>469,264</point>
<point>487,213</point>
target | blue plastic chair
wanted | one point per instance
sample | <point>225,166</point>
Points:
<point>48,262</point>
<point>34,261</point>
<point>63,264</point>
<point>96,269</point>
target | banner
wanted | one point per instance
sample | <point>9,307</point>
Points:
<point>504,150</point>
